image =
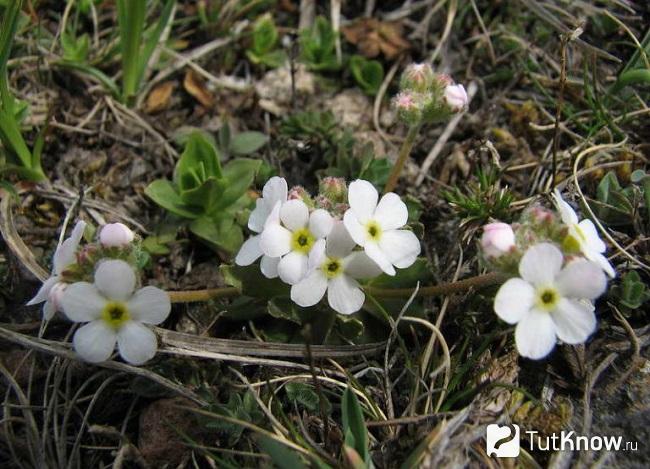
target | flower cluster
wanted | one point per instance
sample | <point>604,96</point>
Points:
<point>96,284</point>
<point>426,96</point>
<point>328,243</point>
<point>560,271</point>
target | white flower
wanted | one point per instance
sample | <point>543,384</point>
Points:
<point>115,313</point>
<point>456,97</point>
<point>274,191</point>
<point>64,256</point>
<point>115,235</point>
<point>549,302</point>
<point>497,239</point>
<point>375,227</point>
<point>333,267</point>
<point>584,235</point>
<point>290,233</point>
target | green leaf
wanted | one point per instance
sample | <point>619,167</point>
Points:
<point>206,197</point>
<point>164,194</point>
<point>349,327</point>
<point>222,233</point>
<point>200,160</point>
<point>318,46</point>
<point>305,396</point>
<point>369,74</point>
<point>246,143</point>
<point>239,174</point>
<point>354,426</point>
<point>281,455</point>
<point>265,35</point>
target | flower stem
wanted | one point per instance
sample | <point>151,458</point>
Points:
<point>404,152</point>
<point>433,290</point>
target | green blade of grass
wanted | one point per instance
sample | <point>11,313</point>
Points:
<point>130,16</point>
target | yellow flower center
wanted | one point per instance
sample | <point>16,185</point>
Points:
<point>332,267</point>
<point>547,298</point>
<point>115,314</point>
<point>574,240</point>
<point>302,241</point>
<point>374,230</point>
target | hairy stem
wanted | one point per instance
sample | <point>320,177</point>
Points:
<point>404,152</point>
<point>479,281</point>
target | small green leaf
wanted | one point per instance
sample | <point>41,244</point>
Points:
<point>281,455</point>
<point>349,327</point>
<point>222,233</point>
<point>245,143</point>
<point>369,74</point>
<point>305,396</point>
<point>199,161</point>
<point>164,194</point>
<point>354,426</point>
<point>239,174</point>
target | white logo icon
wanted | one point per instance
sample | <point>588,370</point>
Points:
<point>501,442</point>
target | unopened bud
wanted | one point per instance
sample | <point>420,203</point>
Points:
<point>334,189</point>
<point>497,239</point>
<point>456,98</point>
<point>300,193</point>
<point>408,107</point>
<point>417,77</point>
<point>115,235</point>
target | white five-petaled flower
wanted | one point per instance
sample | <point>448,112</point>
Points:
<point>64,256</point>
<point>290,233</point>
<point>376,227</point>
<point>274,191</point>
<point>584,235</point>
<point>115,314</point>
<point>549,301</point>
<point>334,267</point>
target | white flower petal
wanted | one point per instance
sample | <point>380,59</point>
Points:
<point>567,213</point>
<point>48,310</point>
<point>391,212</point>
<point>513,300</point>
<point>44,291</point>
<point>320,223</point>
<point>82,302</point>
<point>602,262</point>
<point>317,254</point>
<point>136,343</point>
<point>376,254</point>
<point>293,267</point>
<point>115,279</point>
<point>581,279</point>
<point>269,266</point>
<point>535,335</point>
<point>363,199</point>
<point>259,215</point>
<point>339,241</point>
<point>355,229</point>
<point>294,214</point>
<point>249,252</point>
<point>590,232</point>
<point>150,305</point>
<point>65,254</point>
<point>344,295</point>
<point>275,240</point>
<point>275,190</point>
<point>359,265</point>
<point>401,247</point>
<point>574,321</point>
<point>540,264</point>
<point>310,290</point>
<point>95,341</point>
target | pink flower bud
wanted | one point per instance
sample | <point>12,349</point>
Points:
<point>409,106</point>
<point>442,80</point>
<point>56,294</point>
<point>417,77</point>
<point>456,97</point>
<point>115,235</point>
<point>334,189</point>
<point>497,239</point>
